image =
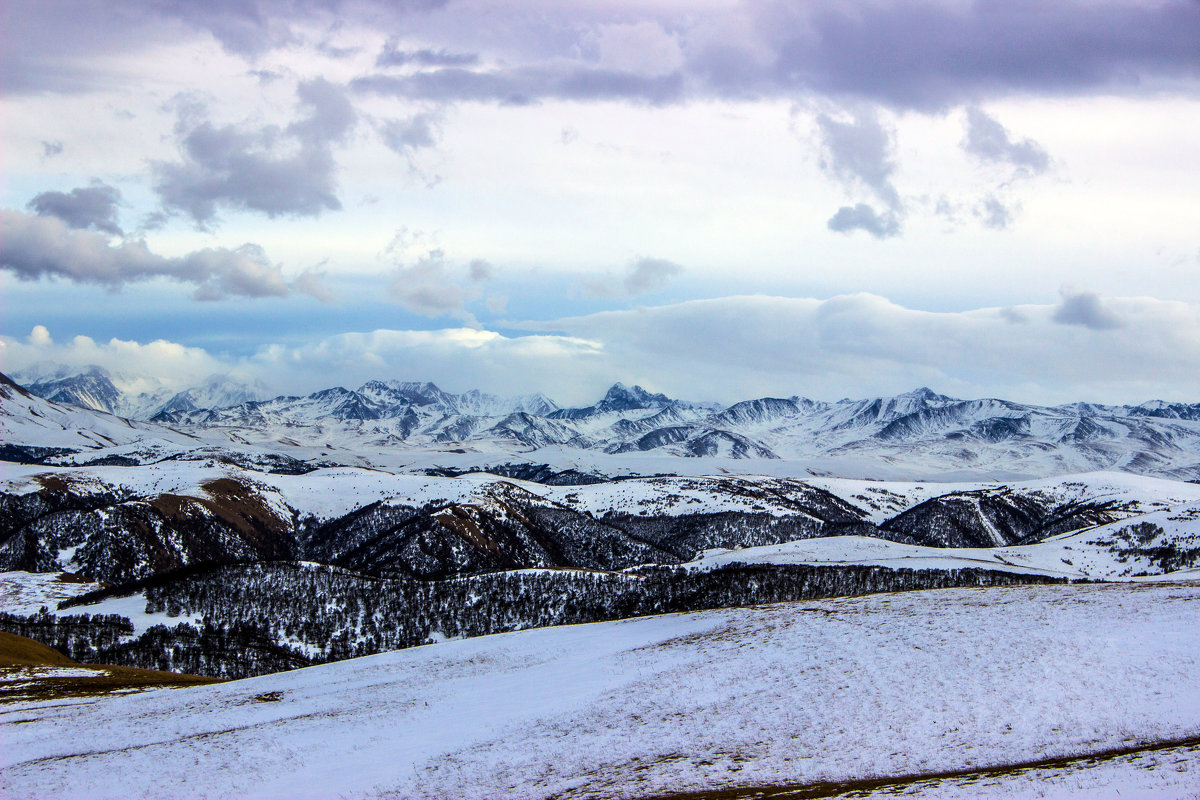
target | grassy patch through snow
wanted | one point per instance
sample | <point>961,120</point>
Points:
<point>31,671</point>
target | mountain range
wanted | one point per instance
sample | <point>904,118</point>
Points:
<point>919,431</point>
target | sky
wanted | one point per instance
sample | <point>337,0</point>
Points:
<point>717,200</point>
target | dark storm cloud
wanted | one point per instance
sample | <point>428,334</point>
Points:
<point>35,247</point>
<point>932,55</point>
<point>988,140</point>
<point>862,217</point>
<point>93,206</point>
<point>1087,310</point>
<point>273,171</point>
<point>922,55</point>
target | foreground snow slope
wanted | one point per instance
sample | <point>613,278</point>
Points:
<point>874,686</point>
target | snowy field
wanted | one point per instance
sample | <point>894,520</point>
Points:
<point>332,492</point>
<point>886,685</point>
<point>27,592</point>
<point>1092,553</point>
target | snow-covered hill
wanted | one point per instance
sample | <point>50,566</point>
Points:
<point>901,686</point>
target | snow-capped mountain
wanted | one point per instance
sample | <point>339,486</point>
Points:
<point>918,433</point>
<point>218,391</point>
<point>489,405</point>
<point>92,388</point>
<point>134,398</point>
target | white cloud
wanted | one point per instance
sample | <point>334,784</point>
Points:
<point>154,364</point>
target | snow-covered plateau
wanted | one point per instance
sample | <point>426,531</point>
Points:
<point>886,686</point>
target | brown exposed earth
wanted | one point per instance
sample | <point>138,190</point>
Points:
<point>30,670</point>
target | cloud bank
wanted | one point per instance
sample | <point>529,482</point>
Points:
<point>734,348</point>
<point>34,247</point>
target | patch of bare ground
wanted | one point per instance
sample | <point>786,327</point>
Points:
<point>927,784</point>
<point>31,671</point>
<point>53,483</point>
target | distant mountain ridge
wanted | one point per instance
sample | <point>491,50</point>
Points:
<point>921,427</point>
<point>100,390</point>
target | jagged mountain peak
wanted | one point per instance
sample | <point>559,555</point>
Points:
<point>926,394</point>
<point>485,404</point>
<point>219,390</point>
<point>622,398</point>
<point>416,393</point>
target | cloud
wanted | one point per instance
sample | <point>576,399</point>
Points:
<point>251,28</point>
<point>863,345</point>
<point>862,217</point>
<point>643,275</point>
<point>479,270</point>
<point>858,151</point>
<point>455,358</point>
<point>926,55</point>
<point>35,247</point>
<point>427,287</point>
<point>61,45</point>
<point>727,349</point>
<point>519,86</point>
<point>994,213</point>
<point>50,149</point>
<point>406,136</point>
<point>392,56</point>
<point>934,55</point>
<point>93,206</point>
<point>643,48</point>
<point>1087,310</point>
<point>988,140</point>
<point>274,171</point>
<point>160,362</point>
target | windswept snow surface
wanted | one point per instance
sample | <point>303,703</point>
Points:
<point>884,685</point>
